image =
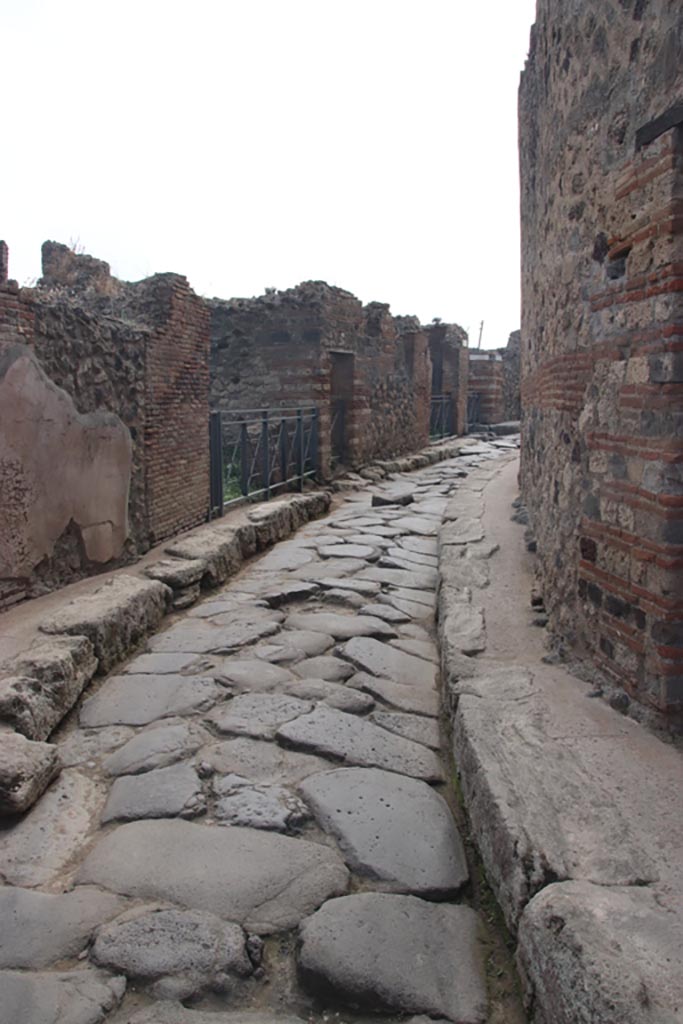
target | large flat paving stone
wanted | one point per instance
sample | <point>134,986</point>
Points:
<point>257,714</point>
<point>390,828</point>
<point>294,645</point>
<point>264,881</point>
<point>156,747</point>
<point>358,742</point>
<point>413,727</point>
<point>198,636</point>
<point>404,696</point>
<point>382,660</point>
<point>181,952</point>
<point>330,668</point>
<point>260,761</point>
<point>386,612</point>
<point>412,579</point>
<point>360,551</point>
<point>163,793</point>
<point>331,568</point>
<point>66,997</point>
<point>396,953</point>
<point>335,695</point>
<point>39,928</point>
<point>421,545</point>
<point>251,674</point>
<point>423,526</point>
<point>341,627</point>
<point>426,649</point>
<point>364,587</point>
<point>139,700</point>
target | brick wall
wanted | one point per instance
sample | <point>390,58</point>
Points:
<point>602,334</point>
<point>486,380</point>
<point>139,351</point>
<point>450,368</point>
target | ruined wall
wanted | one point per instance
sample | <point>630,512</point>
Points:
<point>602,332</point>
<point>450,368</point>
<point>486,380</point>
<point>136,353</point>
<point>280,350</point>
<point>512,377</point>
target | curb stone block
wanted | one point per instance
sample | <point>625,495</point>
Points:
<point>116,617</point>
<point>26,770</point>
<point>43,684</point>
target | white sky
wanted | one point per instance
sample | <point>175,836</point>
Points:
<point>255,143</point>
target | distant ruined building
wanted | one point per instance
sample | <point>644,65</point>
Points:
<point>601,150</point>
<point>106,389</point>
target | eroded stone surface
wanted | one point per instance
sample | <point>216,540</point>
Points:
<point>26,770</point>
<point>332,669</point>
<point>357,949</point>
<point>256,714</point>
<point>163,793</point>
<point>403,696</point>
<point>391,828</point>
<point>264,881</point>
<point>358,742</point>
<point>340,627</point>
<point>413,727</point>
<point>382,660</point>
<point>259,761</point>
<point>39,928</point>
<point>176,1013</point>
<point>181,951</point>
<point>66,997</point>
<point>37,849</point>
<point>139,700</point>
<point>272,807</point>
<point>602,953</point>
<point>155,748</point>
<point>333,694</point>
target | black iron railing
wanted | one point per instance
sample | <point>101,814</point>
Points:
<point>441,420</point>
<point>258,452</point>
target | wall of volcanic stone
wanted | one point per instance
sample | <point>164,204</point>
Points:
<point>279,350</point>
<point>601,153</point>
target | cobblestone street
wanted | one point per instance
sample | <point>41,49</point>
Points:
<point>256,812</point>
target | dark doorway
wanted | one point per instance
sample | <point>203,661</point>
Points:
<point>341,395</point>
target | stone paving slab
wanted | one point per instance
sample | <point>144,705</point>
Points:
<point>355,741</point>
<point>390,828</point>
<point>260,761</point>
<point>40,928</point>
<point>405,697</point>
<point>340,627</point>
<point>253,805</point>
<point>176,1013</point>
<point>256,714</point>
<point>155,747</point>
<point>263,881</point>
<point>139,700</point>
<point>411,578</point>
<point>335,695</point>
<point>358,948</point>
<point>413,727</point>
<point>181,952</point>
<point>383,660</point>
<point>65,997</point>
<point>332,669</point>
<point>163,793</point>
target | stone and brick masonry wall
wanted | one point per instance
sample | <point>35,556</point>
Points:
<point>281,349</point>
<point>450,368</point>
<point>131,358</point>
<point>601,144</point>
<point>486,380</point>
<point>512,395</point>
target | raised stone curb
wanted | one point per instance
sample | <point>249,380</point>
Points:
<point>26,770</point>
<point>116,617</point>
<point>593,902</point>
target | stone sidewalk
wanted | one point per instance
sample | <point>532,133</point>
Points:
<point>254,817</point>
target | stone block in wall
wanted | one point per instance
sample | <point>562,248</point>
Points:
<point>38,688</point>
<point>116,617</point>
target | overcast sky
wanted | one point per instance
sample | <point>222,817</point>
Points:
<point>258,143</point>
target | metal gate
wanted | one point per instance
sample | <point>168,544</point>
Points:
<point>258,452</point>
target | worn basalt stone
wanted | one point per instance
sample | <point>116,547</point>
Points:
<point>65,997</point>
